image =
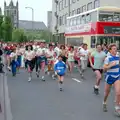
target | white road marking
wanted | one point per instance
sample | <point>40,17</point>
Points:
<point>76,80</point>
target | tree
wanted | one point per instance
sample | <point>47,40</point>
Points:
<point>7,29</point>
<point>46,35</point>
<point>18,35</point>
<point>1,21</point>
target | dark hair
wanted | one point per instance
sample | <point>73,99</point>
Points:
<point>56,44</point>
<point>98,44</point>
<point>62,46</point>
<point>85,44</point>
<point>111,45</point>
<point>29,46</point>
<point>60,56</point>
<point>72,47</point>
<point>50,45</point>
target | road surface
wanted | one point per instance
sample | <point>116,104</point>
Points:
<point>39,100</point>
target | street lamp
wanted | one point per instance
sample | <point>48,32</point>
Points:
<point>32,16</point>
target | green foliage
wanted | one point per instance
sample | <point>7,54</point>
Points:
<point>39,35</point>
<point>1,21</point>
<point>18,35</point>
<point>7,33</point>
<point>7,29</point>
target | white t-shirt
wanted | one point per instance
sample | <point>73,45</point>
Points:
<point>29,55</point>
<point>84,52</point>
<point>13,55</point>
<point>35,47</point>
<point>57,50</point>
<point>40,51</point>
<point>51,54</point>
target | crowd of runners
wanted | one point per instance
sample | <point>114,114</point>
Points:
<point>57,60</point>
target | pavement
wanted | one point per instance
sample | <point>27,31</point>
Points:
<point>39,100</point>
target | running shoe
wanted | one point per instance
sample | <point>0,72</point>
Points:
<point>37,74</point>
<point>104,108</point>
<point>29,79</point>
<point>117,111</point>
<point>96,91</point>
<point>61,89</point>
<point>43,78</point>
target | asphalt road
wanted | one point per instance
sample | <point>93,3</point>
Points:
<point>43,101</point>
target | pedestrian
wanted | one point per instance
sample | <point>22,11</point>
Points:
<point>60,69</point>
<point>111,65</point>
<point>99,57</point>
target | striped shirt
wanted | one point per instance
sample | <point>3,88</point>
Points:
<point>115,70</point>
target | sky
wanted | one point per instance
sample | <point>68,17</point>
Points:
<point>40,9</point>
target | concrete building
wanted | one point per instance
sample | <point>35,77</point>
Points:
<point>12,11</point>
<point>61,9</point>
<point>27,25</point>
<point>49,20</point>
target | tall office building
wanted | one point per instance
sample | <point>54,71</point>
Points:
<point>49,20</point>
<point>12,11</point>
<point>61,9</point>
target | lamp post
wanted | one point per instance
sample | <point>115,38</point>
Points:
<point>32,16</point>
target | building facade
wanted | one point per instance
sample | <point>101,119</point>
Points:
<point>49,20</point>
<point>12,11</point>
<point>32,26</point>
<point>61,9</point>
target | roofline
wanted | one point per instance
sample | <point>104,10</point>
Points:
<point>31,21</point>
<point>107,8</point>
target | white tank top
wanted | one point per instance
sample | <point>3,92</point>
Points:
<point>29,55</point>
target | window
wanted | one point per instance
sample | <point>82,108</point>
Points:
<point>73,1</point>
<point>62,4</point>
<point>89,6</point>
<point>84,8</point>
<point>94,16</point>
<point>74,19</point>
<point>83,19</point>
<point>60,20</point>
<point>116,17</point>
<point>66,15</point>
<point>78,20</point>
<point>70,2</point>
<point>8,12</point>
<point>63,19</point>
<point>96,3</point>
<point>65,3</point>
<point>88,18</point>
<point>75,41</point>
<point>93,41</point>
<point>73,12</point>
<point>68,22</point>
<point>106,16</point>
<point>70,13</point>
<point>78,11</point>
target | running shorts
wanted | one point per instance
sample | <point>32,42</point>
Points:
<point>111,80</point>
<point>100,70</point>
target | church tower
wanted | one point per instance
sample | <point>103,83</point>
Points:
<point>12,10</point>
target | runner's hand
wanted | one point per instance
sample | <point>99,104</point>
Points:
<point>92,65</point>
<point>112,64</point>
